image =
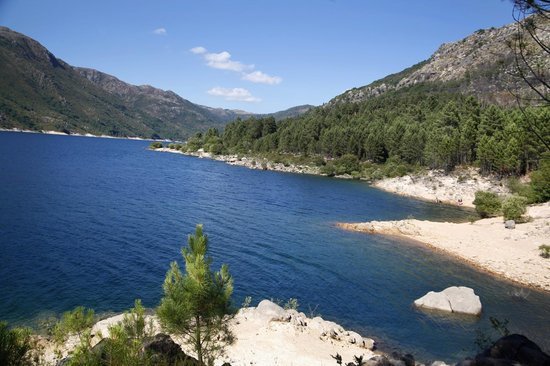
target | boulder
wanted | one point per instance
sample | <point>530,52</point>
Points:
<point>510,224</point>
<point>513,349</point>
<point>268,311</point>
<point>164,350</point>
<point>439,363</point>
<point>395,359</point>
<point>453,299</point>
<point>369,344</point>
<point>354,338</point>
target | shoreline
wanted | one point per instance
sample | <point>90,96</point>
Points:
<point>264,335</point>
<point>455,189</point>
<point>509,254</point>
<point>58,133</point>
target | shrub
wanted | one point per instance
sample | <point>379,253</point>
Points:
<point>318,161</point>
<point>521,189</point>
<point>292,304</point>
<point>514,207</point>
<point>156,145</point>
<point>544,251</point>
<point>15,346</point>
<point>487,204</point>
<point>328,169</point>
<point>346,164</point>
<point>540,181</point>
<point>215,148</point>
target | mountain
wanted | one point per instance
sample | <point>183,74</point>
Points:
<point>454,109</point>
<point>42,92</point>
<point>290,112</point>
<point>227,115</point>
<point>482,64</point>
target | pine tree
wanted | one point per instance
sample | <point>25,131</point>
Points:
<point>196,304</point>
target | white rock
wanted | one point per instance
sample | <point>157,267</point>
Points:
<point>434,300</point>
<point>355,338</point>
<point>463,300</point>
<point>454,299</point>
<point>268,311</point>
<point>369,343</point>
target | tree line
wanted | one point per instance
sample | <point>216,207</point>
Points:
<point>439,131</point>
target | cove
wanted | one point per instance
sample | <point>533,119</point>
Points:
<point>96,222</point>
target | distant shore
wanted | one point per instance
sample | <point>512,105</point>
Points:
<point>44,132</point>
<point>512,254</point>
<point>457,188</point>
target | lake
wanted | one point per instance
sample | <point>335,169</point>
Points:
<point>96,222</point>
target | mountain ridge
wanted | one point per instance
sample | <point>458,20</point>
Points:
<point>43,92</point>
<point>481,64</point>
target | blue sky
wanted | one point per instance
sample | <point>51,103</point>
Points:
<point>256,55</point>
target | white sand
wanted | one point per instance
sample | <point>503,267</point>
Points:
<point>446,188</point>
<point>510,253</point>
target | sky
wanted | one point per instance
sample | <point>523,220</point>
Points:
<point>261,56</point>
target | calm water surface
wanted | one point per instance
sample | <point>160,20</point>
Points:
<point>95,222</point>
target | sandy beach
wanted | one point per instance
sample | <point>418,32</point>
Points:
<point>512,254</point>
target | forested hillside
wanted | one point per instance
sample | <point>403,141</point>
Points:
<point>414,127</point>
<point>459,107</point>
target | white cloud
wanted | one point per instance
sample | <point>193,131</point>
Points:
<point>260,77</point>
<point>198,50</point>
<point>234,94</point>
<point>160,31</point>
<point>223,61</point>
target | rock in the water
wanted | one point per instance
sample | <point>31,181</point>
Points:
<point>510,224</point>
<point>434,300</point>
<point>513,349</point>
<point>453,299</point>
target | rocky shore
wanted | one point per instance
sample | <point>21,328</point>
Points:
<point>250,162</point>
<point>512,254</point>
<point>268,335</point>
<point>457,188</point>
<point>265,335</point>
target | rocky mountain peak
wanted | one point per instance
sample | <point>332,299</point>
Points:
<point>482,64</point>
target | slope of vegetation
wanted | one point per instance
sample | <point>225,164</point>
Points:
<point>412,127</point>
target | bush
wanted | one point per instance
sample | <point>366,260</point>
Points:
<point>514,207</point>
<point>540,181</point>
<point>487,204</point>
<point>521,189</point>
<point>545,251</point>
<point>15,346</point>
<point>156,145</point>
<point>328,170</point>
<point>346,164</point>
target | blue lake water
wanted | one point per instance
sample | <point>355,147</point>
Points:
<point>96,222</point>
